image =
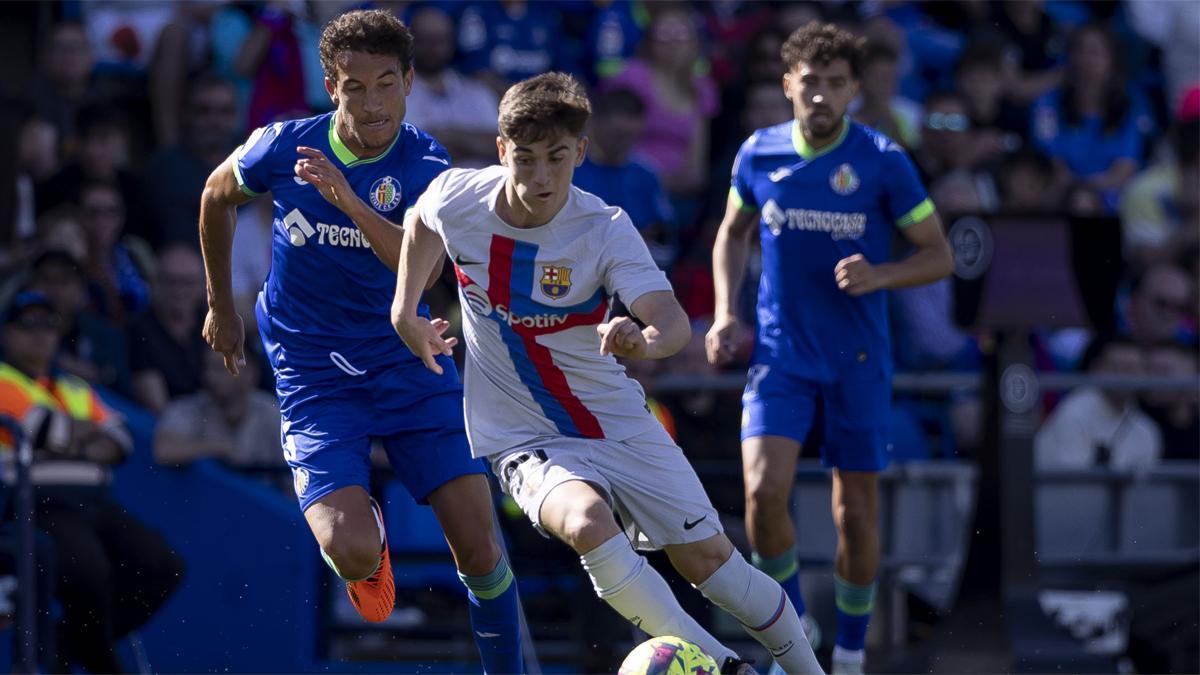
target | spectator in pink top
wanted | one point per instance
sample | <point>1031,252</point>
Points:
<point>679,102</point>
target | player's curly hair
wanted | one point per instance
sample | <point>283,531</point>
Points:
<point>374,31</point>
<point>823,43</point>
<point>543,107</point>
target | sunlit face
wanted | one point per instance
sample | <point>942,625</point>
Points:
<point>541,172</point>
<point>369,94</point>
<point>820,94</point>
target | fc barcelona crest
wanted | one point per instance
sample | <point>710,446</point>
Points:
<point>556,281</point>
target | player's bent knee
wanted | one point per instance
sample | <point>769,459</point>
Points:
<point>355,557</point>
<point>699,560</point>
<point>586,526</point>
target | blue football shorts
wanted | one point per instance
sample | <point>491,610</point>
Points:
<point>848,419</point>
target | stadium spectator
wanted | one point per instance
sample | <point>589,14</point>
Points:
<point>879,104</point>
<point>166,348</point>
<point>612,37</point>
<point>102,154</point>
<point>62,83</point>
<point>949,144</point>
<point>979,77</point>
<point>1170,26</point>
<point>1161,306</point>
<point>175,175</point>
<point>1160,207</point>
<point>273,56</point>
<point>679,104</point>
<point>608,172</point>
<point>113,572</point>
<point>60,229</point>
<point>91,348</point>
<point>228,420</point>
<point>1176,413</point>
<point>1101,428</point>
<point>115,262</point>
<point>1026,180</point>
<point>1090,126</point>
<point>32,145</point>
<point>457,110</point>
<point>510,40</point>
<point>1036,48</point>
<point>762,62</point>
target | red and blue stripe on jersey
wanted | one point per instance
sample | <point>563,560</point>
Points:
<point>510,284</point>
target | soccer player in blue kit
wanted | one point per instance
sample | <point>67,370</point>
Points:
<point>825,194</point>
<point>342,376</point>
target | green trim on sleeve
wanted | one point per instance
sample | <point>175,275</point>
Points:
<point>736,199</point>
<point>237,173</point>
<point>917,214</point>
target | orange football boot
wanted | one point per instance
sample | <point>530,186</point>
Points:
<point>375,596</point>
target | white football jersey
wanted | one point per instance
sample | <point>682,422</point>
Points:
<point>531,300</point>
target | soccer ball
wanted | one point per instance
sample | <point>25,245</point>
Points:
<point>668,656</point>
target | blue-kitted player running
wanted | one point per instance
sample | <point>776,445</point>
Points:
<point>342,376</point>
<point>825,194</point>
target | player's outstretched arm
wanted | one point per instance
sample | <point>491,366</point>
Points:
<point>223,329</point>
<point>932,260</point>
<point>420,254</point>
<point>384,236</point>
<point>667,329</point>
<point>729,268</point>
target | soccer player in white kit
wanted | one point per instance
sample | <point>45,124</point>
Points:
<point>569,435</point>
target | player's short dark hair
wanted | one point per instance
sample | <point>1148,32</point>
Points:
<point>374,31</point>
<point>619,101</point>
<point>544,106</point>
<point>822,43</point>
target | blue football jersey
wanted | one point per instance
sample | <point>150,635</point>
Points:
<point>817,207</point>
<point>327,292</point>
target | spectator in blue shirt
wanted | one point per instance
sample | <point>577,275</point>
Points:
<point>607,172</point>
<point>1090,126</point>
<point>503,42</point>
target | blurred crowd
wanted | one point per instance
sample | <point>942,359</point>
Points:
<point>1025,108</point>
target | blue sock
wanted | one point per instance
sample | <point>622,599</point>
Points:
<point>783,569</point>
<point>854,605</point>
<point>494,619</point>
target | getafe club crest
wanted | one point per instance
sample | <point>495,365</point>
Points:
<point>385,194</point>
<point>556,281</point>
<point>843,180</point>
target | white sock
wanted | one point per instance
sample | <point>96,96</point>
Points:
<point>760,604</point>
<point>624,580</point>
<point>848,655</point>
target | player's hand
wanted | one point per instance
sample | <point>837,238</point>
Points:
<point>424,338</point>
<point>622,337</point>
<point>722,340</point>
<point>225,333</point>
<point>857,276</point>
<point>315,169</point>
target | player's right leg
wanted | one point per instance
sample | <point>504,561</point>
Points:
<point>348,526</point>
<point>567,497</point>
<point>577,514</point>
<point>778,411</point>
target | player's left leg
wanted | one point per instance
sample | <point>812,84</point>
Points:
<point>426,443</point>
<point>663,503</point>
<point>855,446</point>
<point>463,506</point>
<point>753,598</point>
<point>856,515</point>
